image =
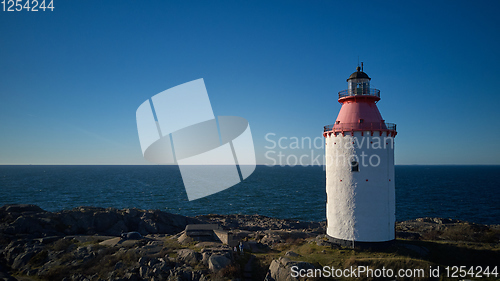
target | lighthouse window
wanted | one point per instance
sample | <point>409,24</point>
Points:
<point>354,166</point>
<point>361,120</point>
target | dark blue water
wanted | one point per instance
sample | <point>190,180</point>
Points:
<point>469,193</point>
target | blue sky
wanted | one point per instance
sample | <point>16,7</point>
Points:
<point>72,79</point>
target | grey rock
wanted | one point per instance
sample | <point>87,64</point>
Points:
<point>205,256</point>
<point>321,240</point>
<point>22,259</point>
<point>21,208</point>
<point>119,265</point>
<point>132,277</point>
<point>181,274</point>
<point>104,220</point>
<point>291,254</point>
<point>281,269</point>
<point>218,262</point>
<point>134,235</point>
<point>162,266</point>
<point>118,228</point>
<point>271,239</point>
<point>187,256</point>
<point>323,243</point>
<point>144,272</point>
<point>27,225</point>
<point>13,250</point>
<point>22,220</point>
<point>143,260</point>
<point>46,240</point>
<point>184,239</point>
<point>153,262</point>
<point>208,252</point>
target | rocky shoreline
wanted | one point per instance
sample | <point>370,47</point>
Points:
<point>89,243</point>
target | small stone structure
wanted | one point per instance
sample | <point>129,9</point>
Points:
<point>210,232</point>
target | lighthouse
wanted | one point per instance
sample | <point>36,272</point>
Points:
<point>360,207</point>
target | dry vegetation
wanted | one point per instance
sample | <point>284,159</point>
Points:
<point>454,245</point>
<point>463,244</point>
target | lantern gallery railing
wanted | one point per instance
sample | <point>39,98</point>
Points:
<point>359,92</point>
<point>373,126</point>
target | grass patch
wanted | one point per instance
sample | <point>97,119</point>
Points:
<point>227,273</point>
<point>398,256</point>
<point>465,232</point>
<point>105,264</point>
<point>62,244</point>
<point>461,244</point>
<point>39,259</point>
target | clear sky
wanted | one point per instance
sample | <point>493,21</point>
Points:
<point>72,79</point>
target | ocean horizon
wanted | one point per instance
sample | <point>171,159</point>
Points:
<point>464,192</point>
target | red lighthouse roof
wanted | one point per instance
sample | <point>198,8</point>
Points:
<point>359,111</point>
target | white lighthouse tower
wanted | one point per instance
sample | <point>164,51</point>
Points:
<point>360,207</point>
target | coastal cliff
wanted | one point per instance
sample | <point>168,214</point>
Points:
<point>89,243</point>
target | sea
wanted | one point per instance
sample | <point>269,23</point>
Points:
<point>470,193</point>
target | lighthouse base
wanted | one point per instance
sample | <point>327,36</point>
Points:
<point>361,244</point>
